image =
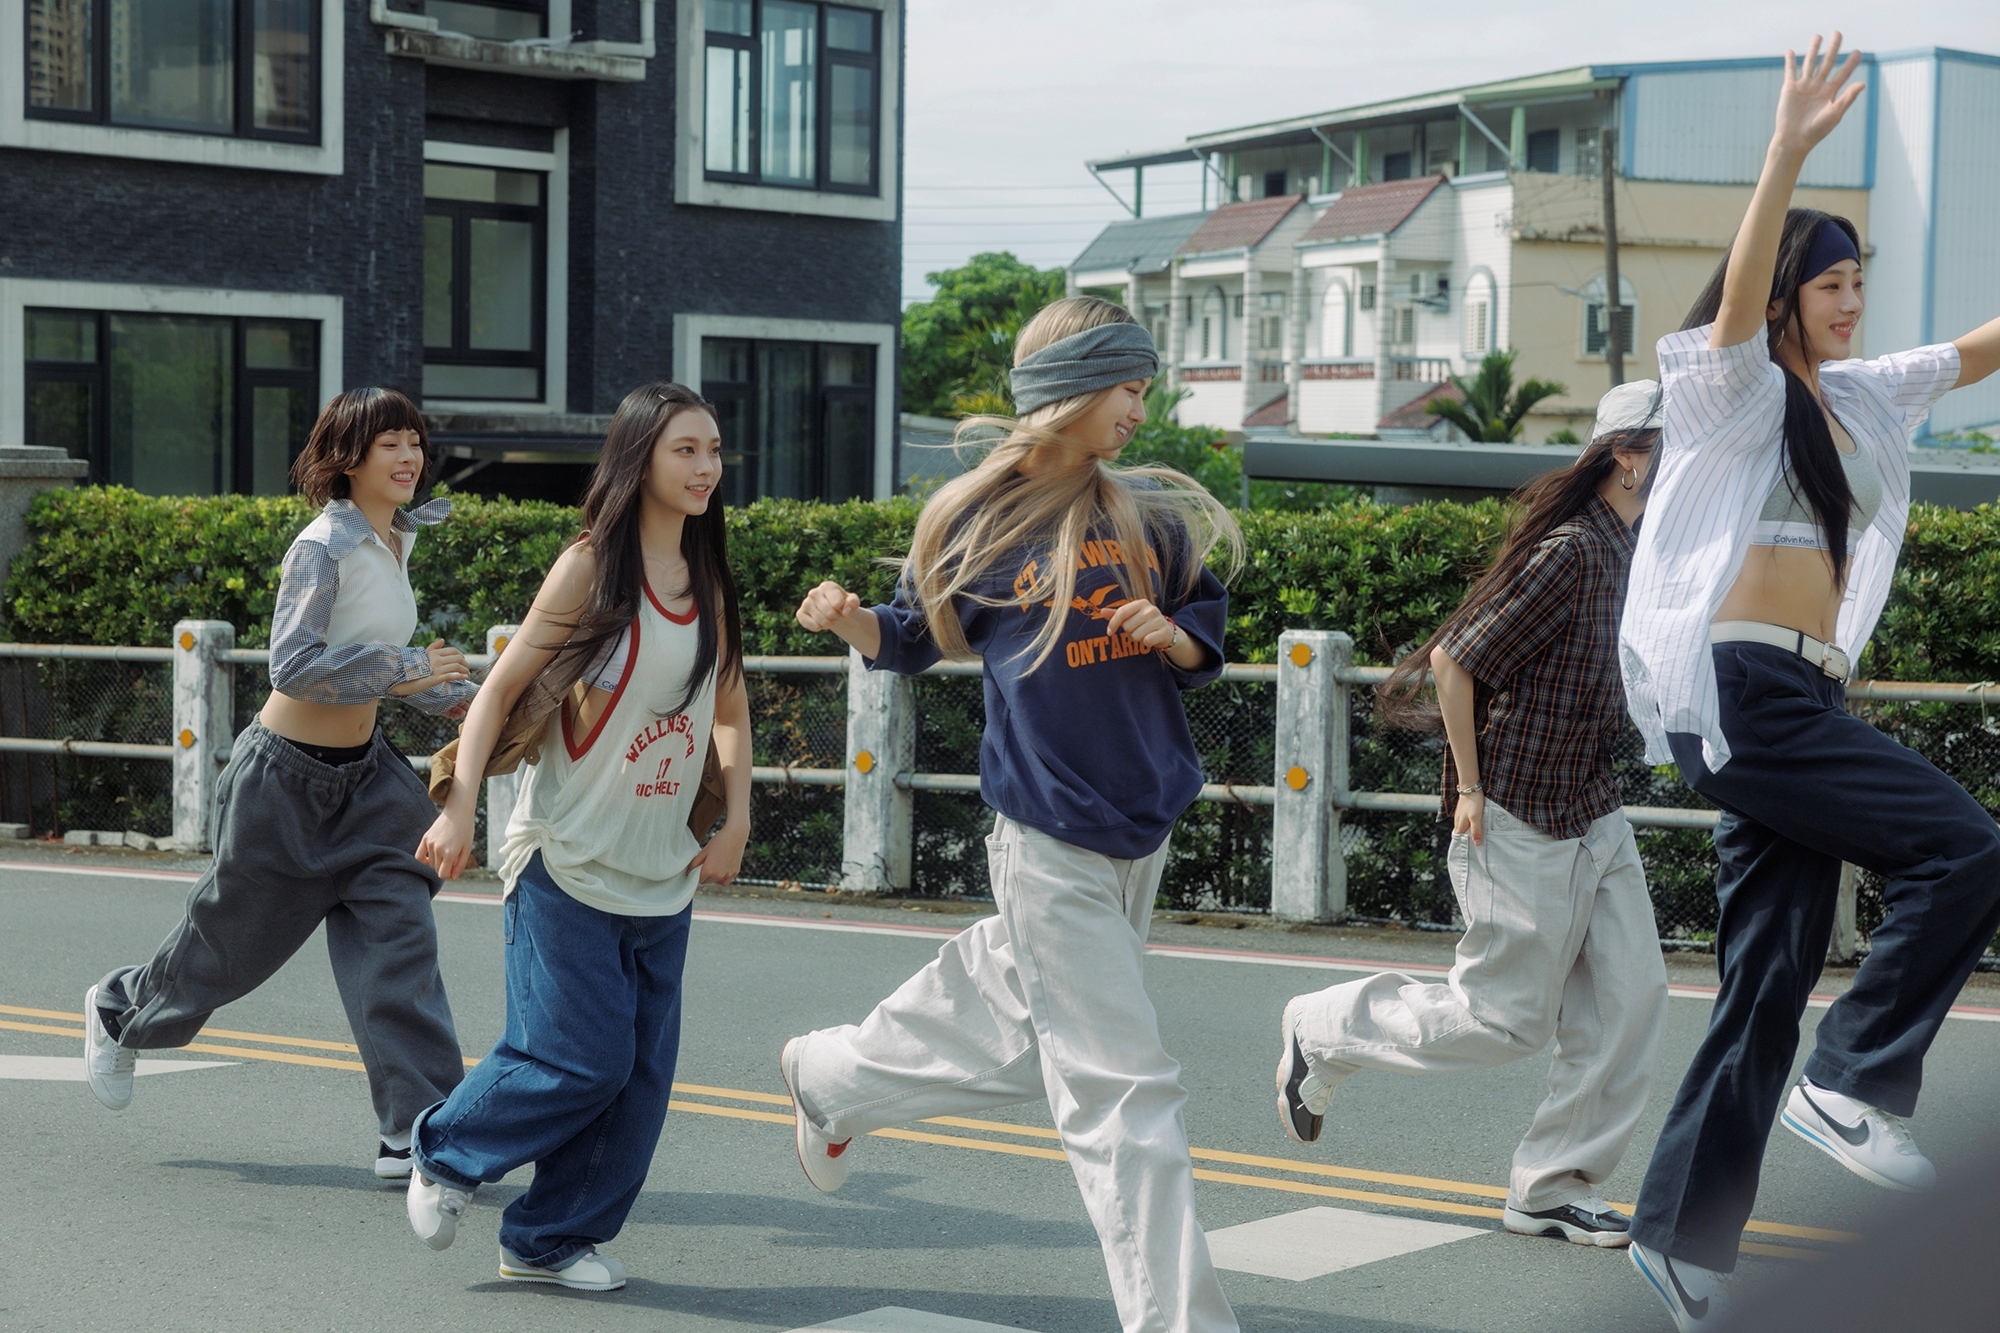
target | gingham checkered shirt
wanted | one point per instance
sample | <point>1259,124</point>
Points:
<point>1548,703</point>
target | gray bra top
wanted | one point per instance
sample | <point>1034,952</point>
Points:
<point>1787,520</point>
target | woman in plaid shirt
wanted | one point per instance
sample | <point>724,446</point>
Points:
<point>1559,939</point>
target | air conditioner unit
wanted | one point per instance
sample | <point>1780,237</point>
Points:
<point>1432,291</point>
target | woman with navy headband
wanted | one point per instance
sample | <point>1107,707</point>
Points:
<point>1781,499</point>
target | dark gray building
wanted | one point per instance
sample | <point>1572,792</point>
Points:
<point>214,214</point>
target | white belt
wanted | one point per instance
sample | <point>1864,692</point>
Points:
<point>1829,659</point>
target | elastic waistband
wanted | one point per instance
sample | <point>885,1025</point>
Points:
<point>275,751</point>
<point>1831,661</point>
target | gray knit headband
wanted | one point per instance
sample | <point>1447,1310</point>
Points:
<point>1086,362</point>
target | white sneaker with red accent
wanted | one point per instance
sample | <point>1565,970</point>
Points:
<point>824,1161</point>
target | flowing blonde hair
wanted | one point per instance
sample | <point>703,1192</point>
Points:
<point>994,508</point>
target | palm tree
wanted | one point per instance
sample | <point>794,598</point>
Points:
<point>1493,407</point>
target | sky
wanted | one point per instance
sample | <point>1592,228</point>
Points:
<point>1008,98</point>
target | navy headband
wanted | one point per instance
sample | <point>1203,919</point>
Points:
<point>1097,358</point>
<point>1830,245</point>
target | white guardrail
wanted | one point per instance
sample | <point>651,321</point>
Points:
<point>1309,792</point>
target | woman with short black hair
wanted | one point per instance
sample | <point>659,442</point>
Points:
<point>318,816</point>
<point>1781,503</point>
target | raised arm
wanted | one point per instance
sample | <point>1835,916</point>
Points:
<point>1978,354</point>
<point>1810,105</point>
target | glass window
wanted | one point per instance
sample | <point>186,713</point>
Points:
<point>797,418</point>
<point>1596,324</point>
<point>501,22</point>
<point>60,64</point>
<point>282,71</point>
<point>484,253</point>
<point>790,69</point>
<point>170,64</point>
<point>1395,166</point>
<point>792,94</point>
<point>1544,149</point>
<point>238,67</point>
<point>160,402</point>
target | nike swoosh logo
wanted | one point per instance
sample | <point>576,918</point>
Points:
<point>1855,1137</point>
<point>1697,1308</point>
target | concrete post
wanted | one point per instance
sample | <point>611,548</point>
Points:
<point>1385,327</point>
<point>1295,350</point>
<point>500,791</point>
<point>24,474</point>
<point>1308,870</point>
<point>1845,945</point>
<point>204,724</point>
<point>1517,140</point>
<point>881,743</point>
<point>1176,322</point>
<point>1464,146</point>
<point>1135,296</point>
<point>1362,166</point>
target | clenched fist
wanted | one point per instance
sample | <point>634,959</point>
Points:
<point>826,606</point>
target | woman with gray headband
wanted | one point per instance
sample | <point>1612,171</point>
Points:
<point>1559,939</point>
<point>1085,591</point>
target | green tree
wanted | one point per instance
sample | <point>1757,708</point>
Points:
<point>1493,407</point>
<point>960,343</point>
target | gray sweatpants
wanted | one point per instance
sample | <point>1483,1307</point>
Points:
<point>299,842</point>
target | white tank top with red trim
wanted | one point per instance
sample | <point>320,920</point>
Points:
<point>608,809</point>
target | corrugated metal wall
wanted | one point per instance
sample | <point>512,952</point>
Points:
<point>1899,207</point>
<point>1966,267</point>
<point>1714,125</point>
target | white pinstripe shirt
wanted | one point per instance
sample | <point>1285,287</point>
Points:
<point>1721,452</point>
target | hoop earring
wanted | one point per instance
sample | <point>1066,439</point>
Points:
<point>1630,479</point>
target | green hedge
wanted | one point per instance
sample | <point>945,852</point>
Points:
<point>108,565</point>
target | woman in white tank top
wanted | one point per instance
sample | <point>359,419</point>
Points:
<point>599,863</point>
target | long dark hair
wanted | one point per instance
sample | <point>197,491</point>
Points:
<point>611,524</point>
<point>1539,508</point>
<point>1812,463</point>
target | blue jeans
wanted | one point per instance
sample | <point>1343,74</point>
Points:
<point>578,1084</point>
<point>1807,786</point>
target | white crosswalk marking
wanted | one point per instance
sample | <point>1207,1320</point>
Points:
<point>69,1068</point>
<point>1316,1241</point>
<point>896,1319</point>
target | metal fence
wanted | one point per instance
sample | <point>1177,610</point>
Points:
<point>81,748</point>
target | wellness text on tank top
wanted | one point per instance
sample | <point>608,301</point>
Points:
<point>607,807</point>
<point>1093,747</point>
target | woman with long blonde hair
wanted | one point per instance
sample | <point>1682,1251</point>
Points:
<point>1085,590</point>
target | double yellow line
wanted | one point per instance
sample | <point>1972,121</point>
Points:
<point>1422,1191</point>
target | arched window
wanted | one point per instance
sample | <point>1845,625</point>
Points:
<point>1214,324</point>
<point>1336,320</point>
<point>1597,327</point>
<point>1481,311</point>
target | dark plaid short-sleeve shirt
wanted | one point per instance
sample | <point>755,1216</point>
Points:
<point>1548,702</point>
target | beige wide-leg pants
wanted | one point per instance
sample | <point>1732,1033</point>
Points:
<point>1047,999</point>
<point>1559,941</point>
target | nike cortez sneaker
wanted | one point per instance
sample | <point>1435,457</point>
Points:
<point>106,1064</point>
<point>1589,1221</point>
<point>435,1209</point>
<point>392,1163</point>
<point>1866,1140</point>
<point>589,1271</point>
<point>1696,1297</point>
<point>1303,1093</point>
<point>824,1161</point>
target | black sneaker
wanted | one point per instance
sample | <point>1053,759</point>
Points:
<point>392,1163</point>
<point>1589,1221</point>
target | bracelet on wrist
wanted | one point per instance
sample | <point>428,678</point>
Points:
<point>1173,642</point>
<point>1475,789</point>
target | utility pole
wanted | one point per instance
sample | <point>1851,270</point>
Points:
<point>1614,309</point>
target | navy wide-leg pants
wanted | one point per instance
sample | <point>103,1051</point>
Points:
<point>1807,786</point>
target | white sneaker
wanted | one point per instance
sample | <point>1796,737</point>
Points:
<point>1304,1092</point>
<point>1589,1221</point>
<point>106,1064</point>
<point>1697,1297</point>
<point>589,1271</point>
<point>1865,1139</point>
<point>823,1160</point>
<point>435,1209</point>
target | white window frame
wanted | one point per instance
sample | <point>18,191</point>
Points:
<point>690,329</point>
<point>691,183</point>
<point>18,294</point>
<point>1336,320</point>
<point>555,337</point>
<point>1480,285</point>
<point>1592,293</point>
<point>325,158</point>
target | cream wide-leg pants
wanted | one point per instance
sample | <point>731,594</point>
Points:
<point>1559,940</point>
<point>1047,999</point>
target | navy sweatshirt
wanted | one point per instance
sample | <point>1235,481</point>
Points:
<point>1092,748</point>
